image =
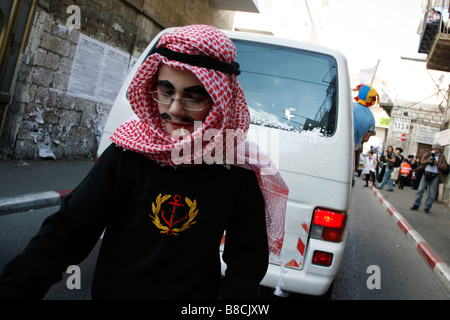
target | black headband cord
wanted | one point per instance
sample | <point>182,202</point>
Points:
<point>200,61</point>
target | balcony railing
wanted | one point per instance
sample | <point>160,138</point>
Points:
<point>435,38</point>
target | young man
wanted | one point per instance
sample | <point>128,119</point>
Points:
<point>390,159</point>
<point>395,175</point>
<point>433,165</point>
<point>165,208</point>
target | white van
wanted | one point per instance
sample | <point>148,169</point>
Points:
<point>300,101</point>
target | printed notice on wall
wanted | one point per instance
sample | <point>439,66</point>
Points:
<point>98,71</point>
<point>426,134</point>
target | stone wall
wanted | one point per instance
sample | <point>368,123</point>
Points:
<point>429,115</point>
<point>41,115</point>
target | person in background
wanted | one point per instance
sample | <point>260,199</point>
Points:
<point>416,174</point>
<point>434,16</point>
<point>434,165</point>
<point>369,168</point>
<point>381,167</point>
<point>405,174</point>
<point>395,175</point>
<point>363,119</point>
<point>412,162</point>
<point>390,159</point>
<point>376,159</point>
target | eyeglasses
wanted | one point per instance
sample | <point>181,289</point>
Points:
<point>187,103</point>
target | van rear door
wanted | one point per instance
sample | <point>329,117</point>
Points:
<point>293,98</point>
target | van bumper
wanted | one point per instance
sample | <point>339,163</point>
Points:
<point>312,279</point>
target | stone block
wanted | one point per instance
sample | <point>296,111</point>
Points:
<point>29,130</point>
<point>55,44</point>
<point>65,65</point>
<point>65,101</point>
<point>52,61</point>
<point>73,36</point>
<point>22,93</point>
<point>44,4</point>
<point>39,57</point>
<point>41,95</point>
<point>25,74</point>
<point>16,107</point>
<point>46,20</point>
<point>50,116</point>
<point>70,118</point>
<point>25,150</point>
<point>42,76</point>
<point>60,81</point>
<point>52,97</point>
<point>60,30</point>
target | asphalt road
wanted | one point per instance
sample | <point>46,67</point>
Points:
<point>374,240</point>
<point>18,228</point>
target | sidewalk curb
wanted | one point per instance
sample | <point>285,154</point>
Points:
<point>32,201</point>
<point>439,267</point>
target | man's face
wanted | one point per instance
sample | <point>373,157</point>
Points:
<point>437,150</point>
<point>181,84</point>
<point>366,137</point>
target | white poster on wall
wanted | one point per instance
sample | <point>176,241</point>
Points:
<point>98,71</point>
<point>401,124</point>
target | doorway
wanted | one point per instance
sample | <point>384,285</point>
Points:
<point>15,21</point>
<point>422,149</point>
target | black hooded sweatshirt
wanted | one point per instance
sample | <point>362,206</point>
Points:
<point>163,228</point>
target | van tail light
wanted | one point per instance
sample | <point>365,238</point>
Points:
<point>328,225</point>
<point>322,258</point>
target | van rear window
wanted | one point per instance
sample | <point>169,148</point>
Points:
<point>287,88</point>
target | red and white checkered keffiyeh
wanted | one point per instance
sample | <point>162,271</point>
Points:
<point>147,134</point>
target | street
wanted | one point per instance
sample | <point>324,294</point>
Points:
<point>81,76</point>
<point>18,228</point>
<point>373,240</point>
